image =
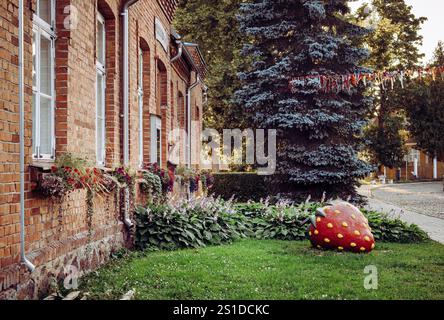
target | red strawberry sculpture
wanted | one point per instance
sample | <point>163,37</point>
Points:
<point>341,227</point>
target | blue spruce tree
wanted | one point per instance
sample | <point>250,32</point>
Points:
<point>319,132</point>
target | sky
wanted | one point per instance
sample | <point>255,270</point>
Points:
<point>433,29</point>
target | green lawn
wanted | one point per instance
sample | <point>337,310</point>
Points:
<point>273,270</point>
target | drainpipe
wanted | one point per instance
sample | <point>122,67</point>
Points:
<point>24,260</point>
<point>181,45</point>
<point>180,51</point>
<point>190,88</point>
<point>126,220</point>
<point>125,13</point>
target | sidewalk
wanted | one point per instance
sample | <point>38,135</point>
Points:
<point>433,226</point>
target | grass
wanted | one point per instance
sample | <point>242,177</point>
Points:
<point>269,270</point>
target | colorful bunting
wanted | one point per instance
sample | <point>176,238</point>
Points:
<point>386,79</point>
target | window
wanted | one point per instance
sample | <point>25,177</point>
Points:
<point>100,90</point>
<point>156,140</point>
<point>43,100</point>
<point>140,103</point>
<point>414,155</point>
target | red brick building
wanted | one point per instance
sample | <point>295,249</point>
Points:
<point>107,80</point>
<point>417,166</point>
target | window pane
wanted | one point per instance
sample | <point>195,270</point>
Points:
<point>45,126</point>
<point>34,124</point>
<point>34,59</point>
<point>45,66</point>
<point>101,43</point>
<point>44,13</point>
<point>99,95</point>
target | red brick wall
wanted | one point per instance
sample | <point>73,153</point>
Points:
<point>425,169</point>
<point>9,129</point>
<point>61,234</point>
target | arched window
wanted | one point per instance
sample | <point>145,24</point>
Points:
<point>143,92</point>
<point>162,86</point>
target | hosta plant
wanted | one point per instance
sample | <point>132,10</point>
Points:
<point>188,224</point>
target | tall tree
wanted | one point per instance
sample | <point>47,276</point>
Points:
<point>214,26</point>
<point>438,57</point>
<point>424,103</point>
<point>318,132</point>
<point>388,143</point>
<point>394,45</point>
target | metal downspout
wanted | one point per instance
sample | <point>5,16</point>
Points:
<point>179,53</point>
<point>125,12</point>
<point>24,260</point>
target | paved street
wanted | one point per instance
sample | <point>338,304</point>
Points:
<point>425,198</point>
<point>418,203</point>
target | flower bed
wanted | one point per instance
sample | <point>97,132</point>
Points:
<point>211,221</point>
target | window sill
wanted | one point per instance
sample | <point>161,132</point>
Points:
<point>45,165</point>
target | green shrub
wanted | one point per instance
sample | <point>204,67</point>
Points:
<point>281,221</point>
<point>243,186</point>
<point>386,229</point>
<point>191,224</point>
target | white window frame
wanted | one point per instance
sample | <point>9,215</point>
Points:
<point>101,108</point>
<point>156,125</point>
<point>41,29</point>
<point>140,94</point>
<point>49,27</point>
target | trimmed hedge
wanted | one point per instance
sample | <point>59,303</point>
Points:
<point>243,186</point>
